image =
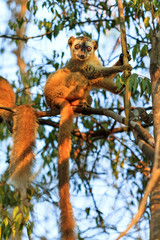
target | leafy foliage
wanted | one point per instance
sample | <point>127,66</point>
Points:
<point>106,164</point>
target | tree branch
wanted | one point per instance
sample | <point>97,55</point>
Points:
<point>105,112</point>
<point>25,39</point>
<point>125,58</point>
<point>146,148</point>
<point>145,135</point>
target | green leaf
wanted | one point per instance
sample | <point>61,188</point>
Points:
<point>5,221</point>
<point>26,210</point>
<point>146,86</point>
<point>144,50</point>
<point>18,219</point>
<point>28,5</point>
<point>5,228</point>
<point>56,30</point>
<point>13,230</point>
<point>30,229</point>
<point>15,212</point>
<point>146,21</point>
<point>133,83</point>
<point>135,51</point>
<point>120,81</point>
<point>87,210</point>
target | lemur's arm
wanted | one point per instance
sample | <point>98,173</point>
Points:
<point>120,62</point>
<point>93,72</point>
<point>105,83</point>
<point>106,80</point>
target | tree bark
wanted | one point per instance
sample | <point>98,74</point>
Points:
<point>19,13</point>
<point>125,59</point>
<point>155,84</point>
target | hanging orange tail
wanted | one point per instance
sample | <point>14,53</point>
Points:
<point>64,149</point>
<point>24,134</point>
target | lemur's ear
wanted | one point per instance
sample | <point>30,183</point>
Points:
<point>70,41</point>
<point>95,44</point>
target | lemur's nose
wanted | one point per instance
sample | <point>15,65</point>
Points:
<point>82,56</point>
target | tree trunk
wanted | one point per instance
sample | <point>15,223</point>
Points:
<point>155,83</point>
<point>19,12</point>
<point>155,213</point>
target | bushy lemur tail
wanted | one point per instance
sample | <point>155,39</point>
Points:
<point>65,128</point>
<point>24,133</point>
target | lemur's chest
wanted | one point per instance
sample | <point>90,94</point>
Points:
<point>76,79</point>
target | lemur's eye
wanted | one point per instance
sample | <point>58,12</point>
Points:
<point>77,46</point>
<point>89,49</point>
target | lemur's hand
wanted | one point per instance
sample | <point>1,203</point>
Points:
<point>127,67</point>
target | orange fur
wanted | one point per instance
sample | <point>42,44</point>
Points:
<point>24,133</point>
<point>64,148</point>
<point>70,86</point>
<point>7,98</point>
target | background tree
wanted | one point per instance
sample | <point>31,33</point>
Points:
<point>109,166</point>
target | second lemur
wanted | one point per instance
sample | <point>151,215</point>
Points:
<point>24,130</point>
<point>67,87</point>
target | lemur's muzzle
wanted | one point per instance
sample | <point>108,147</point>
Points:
<point>82,53</point>
<point>82,56</point>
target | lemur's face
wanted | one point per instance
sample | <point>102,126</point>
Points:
<point>82,48</point>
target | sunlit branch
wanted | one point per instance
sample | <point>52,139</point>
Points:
<point>14,37</point>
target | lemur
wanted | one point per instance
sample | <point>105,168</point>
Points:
<point>23,135</point>
<point>65,88</point>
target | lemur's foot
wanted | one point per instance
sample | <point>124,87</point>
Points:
<point>80,103</point>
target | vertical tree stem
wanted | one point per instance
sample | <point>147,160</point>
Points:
<point>155,84</point>
<point>125,58</point>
